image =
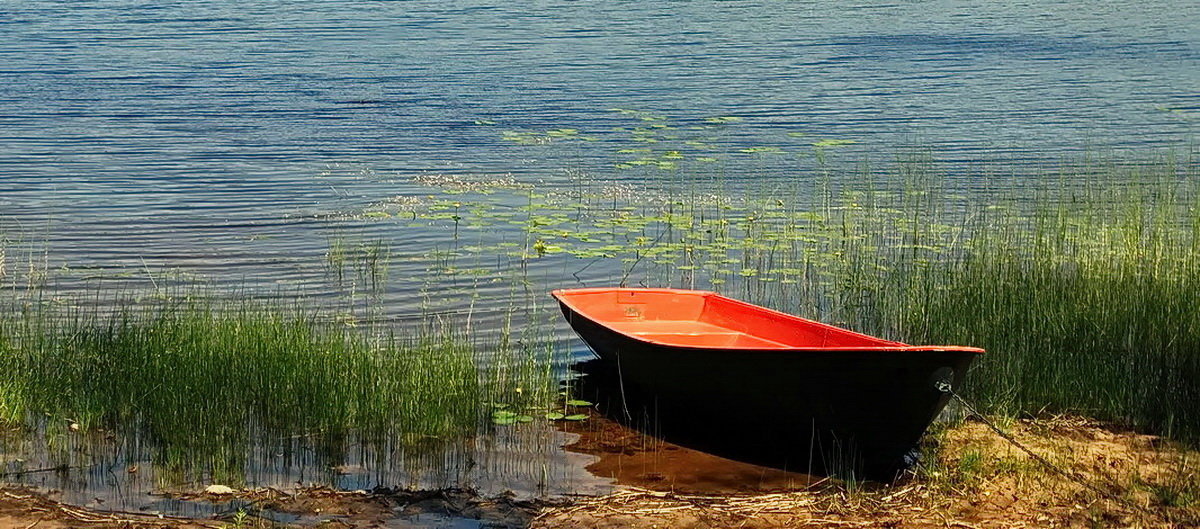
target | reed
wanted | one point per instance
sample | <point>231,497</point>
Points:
<point>202,382</point>
<point>1081,287</point>
<point>1084,294</point>
<point>1081,283</point>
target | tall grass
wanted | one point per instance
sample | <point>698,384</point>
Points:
<point>1082,284</point>
<point>201,382</point>
<point>1085,295</point>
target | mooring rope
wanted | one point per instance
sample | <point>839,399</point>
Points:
<point>944,387</point>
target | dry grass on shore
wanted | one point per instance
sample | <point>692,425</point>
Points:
<point>976,480</point>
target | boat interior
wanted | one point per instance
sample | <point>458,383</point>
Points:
<point>706,319</point>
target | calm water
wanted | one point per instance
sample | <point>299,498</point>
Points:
<point>234,142</point>
<point>209,137</point>
<point>108,474</point>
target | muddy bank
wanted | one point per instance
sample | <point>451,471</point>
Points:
<point>22,508</point>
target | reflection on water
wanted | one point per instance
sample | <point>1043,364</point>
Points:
<point>120,474</point>
<point>633,455</point>
<point>531,460</point>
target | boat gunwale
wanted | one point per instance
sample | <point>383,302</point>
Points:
<point>563,297</point>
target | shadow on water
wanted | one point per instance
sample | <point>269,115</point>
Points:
<point>640,447</point>
<point>704,448</point>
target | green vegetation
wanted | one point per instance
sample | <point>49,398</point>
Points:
<point>1180,488</point>
<point>1081,284</point>
<point>1085,299</point>
<point>201,382</point>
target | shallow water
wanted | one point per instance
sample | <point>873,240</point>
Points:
<point>98,471</point>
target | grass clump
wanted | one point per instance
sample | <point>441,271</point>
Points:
<point>1177,487</point>
<point>204,382</point>
<point>1082,286</point>
<point>1084,297</point>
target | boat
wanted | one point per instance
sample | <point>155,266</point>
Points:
<point>756,384</point>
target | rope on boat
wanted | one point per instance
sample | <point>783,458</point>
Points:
<point>641,254</point>
<point>944,387</point>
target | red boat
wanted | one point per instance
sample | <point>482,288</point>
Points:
<point>763,385</point>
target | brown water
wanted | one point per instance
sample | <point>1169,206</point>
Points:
<point>635,458</point>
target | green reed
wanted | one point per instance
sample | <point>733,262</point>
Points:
<point>202,381</point>
<point>1084,294</point>
<point>1082,287</point>
<point>1081,284</point>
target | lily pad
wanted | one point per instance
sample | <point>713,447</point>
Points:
<point>833,143</point>
<point>576,402</point>
<point>505,417</point>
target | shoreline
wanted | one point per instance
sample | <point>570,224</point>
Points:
<point>973,479</point>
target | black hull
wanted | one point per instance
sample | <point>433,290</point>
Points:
<point>824,412</point>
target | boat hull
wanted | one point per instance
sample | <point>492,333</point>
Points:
<point>817,411</point>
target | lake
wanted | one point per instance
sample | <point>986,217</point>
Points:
<point>214,139</point>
